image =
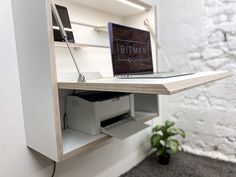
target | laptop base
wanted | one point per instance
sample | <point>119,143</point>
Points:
<point>155,75</point>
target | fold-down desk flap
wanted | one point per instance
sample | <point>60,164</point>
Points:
<point>162,86</point>
<point>124,129</point>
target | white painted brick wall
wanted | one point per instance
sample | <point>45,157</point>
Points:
<point>201,35</point>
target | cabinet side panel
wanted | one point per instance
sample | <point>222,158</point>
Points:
<point>146,103</point>
<point>36,75</point>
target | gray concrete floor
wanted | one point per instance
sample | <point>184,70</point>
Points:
<point>183,165</point>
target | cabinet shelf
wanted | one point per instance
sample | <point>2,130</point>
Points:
<point>77,143</point>
<point>78,45</point>
<point>100,29</point>
<point>144,116</point>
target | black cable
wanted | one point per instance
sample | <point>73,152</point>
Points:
<point>64,121</point>
<point>54,168</point>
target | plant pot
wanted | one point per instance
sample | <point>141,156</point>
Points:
<point>164,159</point>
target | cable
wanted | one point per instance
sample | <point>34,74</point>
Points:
<point>65,125</point>
<point>74,91</point>
<point>54,168</point>
<point>146,23</point>
<point>64,121</point>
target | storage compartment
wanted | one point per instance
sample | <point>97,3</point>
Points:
<point>106,112</point>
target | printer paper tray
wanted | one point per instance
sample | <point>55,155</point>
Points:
<point>124,129</point>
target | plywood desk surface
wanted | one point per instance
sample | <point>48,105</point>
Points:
<point>162,86</point>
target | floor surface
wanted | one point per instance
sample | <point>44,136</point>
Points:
<point>183,165</point>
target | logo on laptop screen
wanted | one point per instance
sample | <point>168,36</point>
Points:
<point>132,51</point>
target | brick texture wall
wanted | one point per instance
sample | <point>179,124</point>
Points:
<point>201,35</point>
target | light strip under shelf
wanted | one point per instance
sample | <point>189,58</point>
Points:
<point>133,4</point>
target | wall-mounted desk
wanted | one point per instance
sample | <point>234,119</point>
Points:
<point>41,61</point>
<point>162,86</point>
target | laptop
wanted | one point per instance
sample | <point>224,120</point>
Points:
<point>131,54</point>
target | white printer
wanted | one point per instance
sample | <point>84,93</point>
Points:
<point>108,112</point>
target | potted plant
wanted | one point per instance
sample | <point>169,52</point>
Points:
<point>162,139</point>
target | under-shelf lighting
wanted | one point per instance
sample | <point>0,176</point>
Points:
<point>133,4</point>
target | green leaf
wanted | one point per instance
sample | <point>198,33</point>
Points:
<point>176,131</point>
<point>160,152</point>
<point>173,145</point>
<point>169,124</point>
<point>155,140</point>
<point>157,128</point>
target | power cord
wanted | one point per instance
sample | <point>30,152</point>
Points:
<point>64,121</point>
<point>147,24</point>
<point>64,116</point>
<point>74,91</point>
<point>54,168</point>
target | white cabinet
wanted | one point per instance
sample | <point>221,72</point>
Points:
<point>45,65</point>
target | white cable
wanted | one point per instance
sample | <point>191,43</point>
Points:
<point>147,24</point>
<point>165,58</point>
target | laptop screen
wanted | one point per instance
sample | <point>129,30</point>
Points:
<point>130,49</point>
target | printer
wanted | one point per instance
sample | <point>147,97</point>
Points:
<point>93,113</point>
